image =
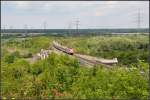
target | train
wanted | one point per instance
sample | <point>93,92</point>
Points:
<point>62,48</point>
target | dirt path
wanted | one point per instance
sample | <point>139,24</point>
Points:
<point>10,50</point>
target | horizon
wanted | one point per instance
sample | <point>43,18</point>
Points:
<point>123,30</point>
<point>72,28</point>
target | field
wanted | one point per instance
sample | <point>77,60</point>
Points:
<point>62,76</point>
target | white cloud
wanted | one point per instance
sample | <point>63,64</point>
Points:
<point>21,4</point>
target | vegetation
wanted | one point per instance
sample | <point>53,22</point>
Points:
<point>61,76</point>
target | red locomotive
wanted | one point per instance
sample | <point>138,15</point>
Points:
<point>64,49</point>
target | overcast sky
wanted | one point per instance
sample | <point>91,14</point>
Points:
<point>63,14</point>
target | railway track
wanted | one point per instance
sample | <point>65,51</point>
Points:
<point>90,61</point>
<point>84,58</point>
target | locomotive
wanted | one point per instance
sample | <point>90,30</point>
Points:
<point>62,48</point>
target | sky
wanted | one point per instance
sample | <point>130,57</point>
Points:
<point>65,14</point>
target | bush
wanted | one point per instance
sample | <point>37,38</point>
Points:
<point>9,58</point>
<point>61,76</point>
<point>28,55</point>
<point>16,54</point>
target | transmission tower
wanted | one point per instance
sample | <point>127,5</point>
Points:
<point>44,25</point>
<point>139,19</point>
<point>69,27</point>
<point>11,27</point>
<point>77,26</point>
<point>25,34</point>
<point>3,26</point>
<point>25,28</point>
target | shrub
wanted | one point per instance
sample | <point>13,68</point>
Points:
<point>9,58</point>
